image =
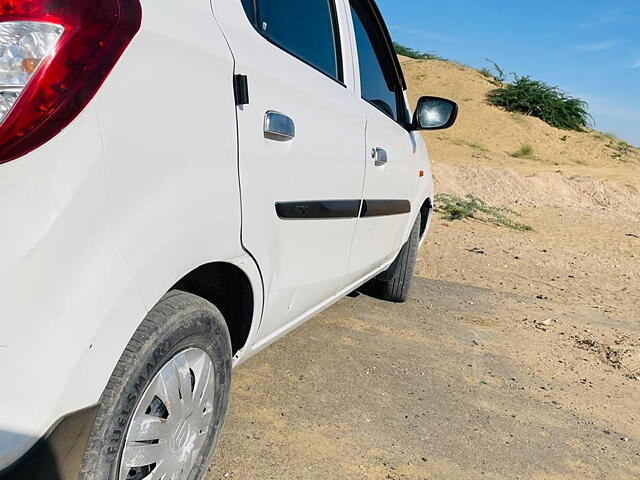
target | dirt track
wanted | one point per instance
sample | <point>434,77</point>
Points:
<point>443,387</point>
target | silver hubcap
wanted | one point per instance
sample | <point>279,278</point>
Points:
<point>172,420</point>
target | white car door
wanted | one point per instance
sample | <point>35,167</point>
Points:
<point>390,151</point>
<point>301,138</point>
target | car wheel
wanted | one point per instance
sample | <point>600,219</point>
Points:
<point>162,411</point>
<point>394,284</point>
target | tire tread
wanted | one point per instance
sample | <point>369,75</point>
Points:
<point>155,324</point>
<point>396,287</point>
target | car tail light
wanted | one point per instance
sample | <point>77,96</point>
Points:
<point>54,55</point>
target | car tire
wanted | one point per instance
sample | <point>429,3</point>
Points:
<point>394,284</point>
<point>181,331</point>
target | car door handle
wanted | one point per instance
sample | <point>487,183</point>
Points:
<point>278,126</point>
<point>380,156</point>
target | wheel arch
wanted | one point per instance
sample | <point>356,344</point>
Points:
<point>426,211</point>
<point>229,288</point>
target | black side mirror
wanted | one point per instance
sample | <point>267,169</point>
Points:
<point>435,113</point>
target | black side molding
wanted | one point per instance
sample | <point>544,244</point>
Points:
<point>318,209</point>
<point>59,455</point>
<point>384,208</point>
<point>327,209</point>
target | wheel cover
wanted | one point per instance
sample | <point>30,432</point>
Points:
<point>172,420</point>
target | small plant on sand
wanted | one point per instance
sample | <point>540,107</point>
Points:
<point>520,119</point>
<point>417,54</point>
<point>485,72</point>
<point>454,208</point>
<point>495,75</point>
<point>537,99</point>
<point>604,136</point>
<point>621,149</point>
<point>473,145</point>
<point>525,151</point>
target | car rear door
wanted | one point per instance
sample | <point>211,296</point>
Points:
<point>390,149</point>
<point>301,138</point>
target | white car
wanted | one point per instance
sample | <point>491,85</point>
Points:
<point>181,184</point>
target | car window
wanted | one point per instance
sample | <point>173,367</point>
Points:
<point>378,85</point>
<point>307,29</point>
<point>248,7</point>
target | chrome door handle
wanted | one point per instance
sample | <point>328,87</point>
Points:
<point>278,126</point>
<point>380,156</point>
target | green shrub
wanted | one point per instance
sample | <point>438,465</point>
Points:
<point>454,208</point>
<point>550,104</point>
<point>525,151</point>
<point>417,54</point>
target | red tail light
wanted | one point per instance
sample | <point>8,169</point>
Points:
<point>55,54</point>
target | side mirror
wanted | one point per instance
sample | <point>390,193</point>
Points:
<point>434,113</point>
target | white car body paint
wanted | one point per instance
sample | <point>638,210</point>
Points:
<point>148,184</point>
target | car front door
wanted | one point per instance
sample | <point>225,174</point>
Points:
<point>301,137</point>
<point>390,150</point>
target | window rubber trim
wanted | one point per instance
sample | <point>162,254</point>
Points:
<point>386,39</point>
<point>374,23</point>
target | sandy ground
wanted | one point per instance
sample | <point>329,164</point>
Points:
<point>518,354</point>
<point>457,383</point>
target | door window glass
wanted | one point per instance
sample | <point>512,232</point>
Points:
<point>377,83</point>
<point>248,7</point>
<point>307,29</point>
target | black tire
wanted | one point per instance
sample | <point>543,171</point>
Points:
<point>178,322</point>
<point>394,284</point>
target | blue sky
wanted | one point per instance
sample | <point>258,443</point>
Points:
<point>589,48</point>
